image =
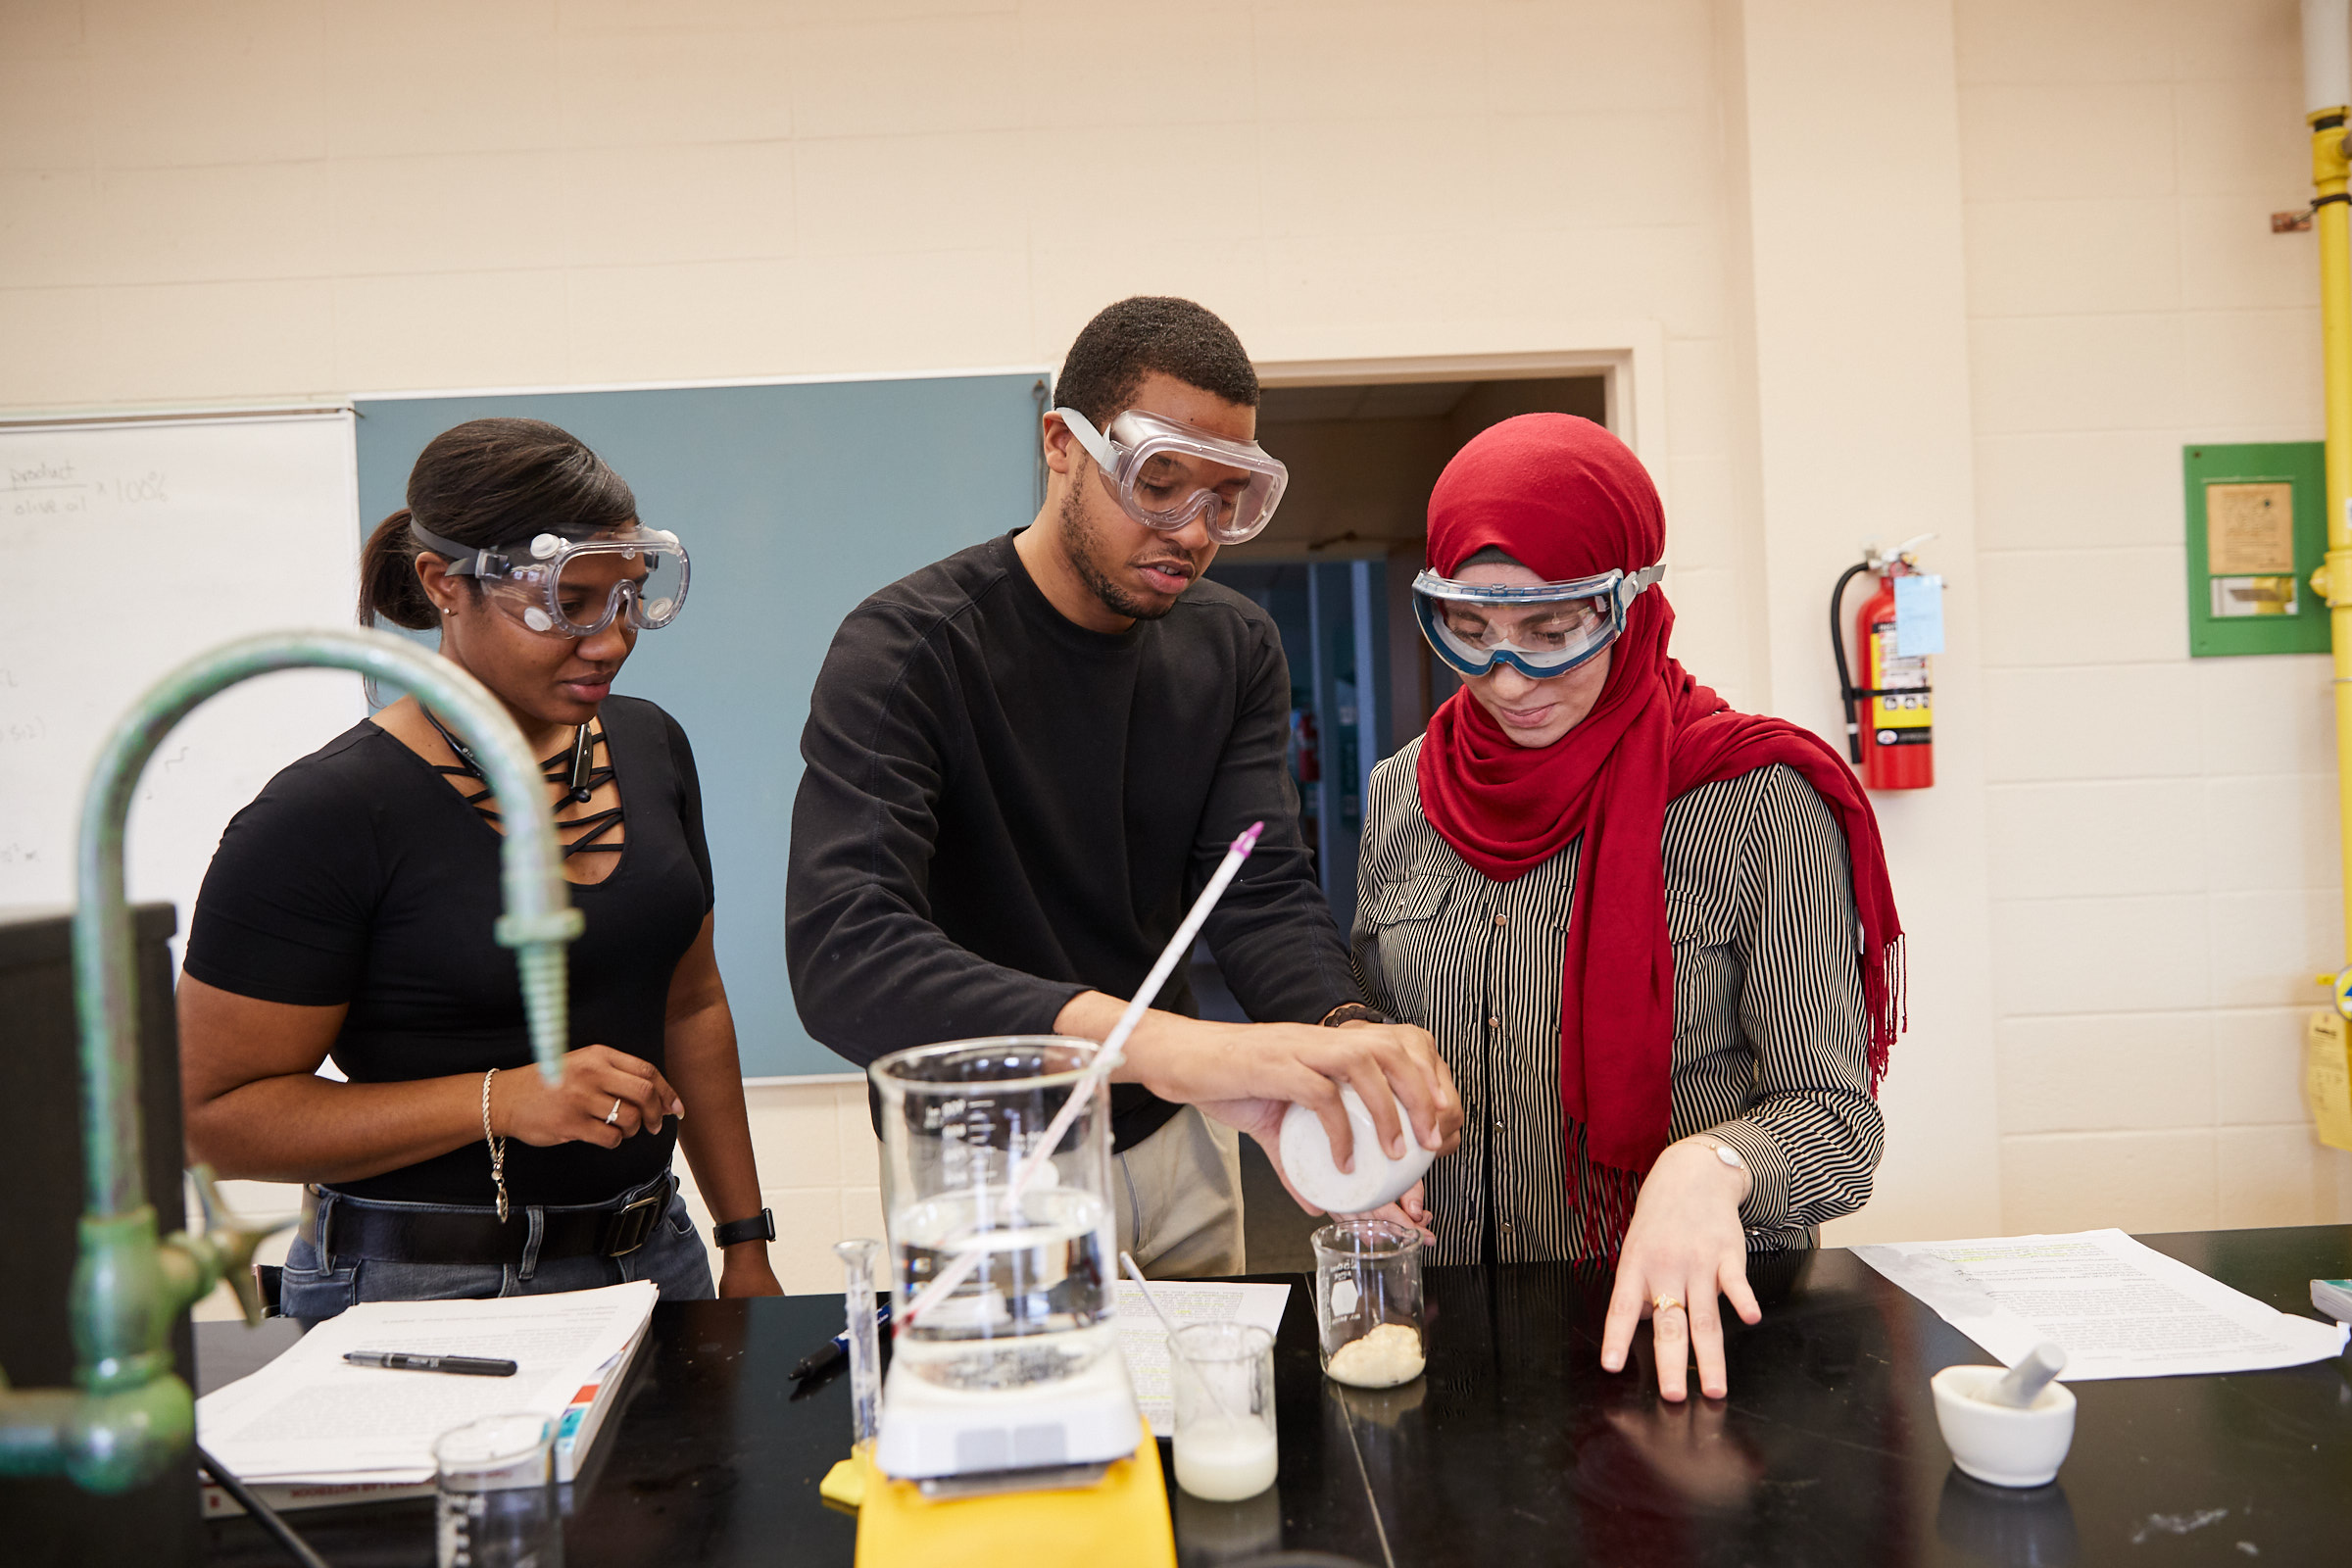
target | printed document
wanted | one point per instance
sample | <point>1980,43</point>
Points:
<point>1145,1345</point>
<point>312,1416</point>
<point>2118,1308</point>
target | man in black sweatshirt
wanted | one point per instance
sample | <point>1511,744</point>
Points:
<point>1023,764</point>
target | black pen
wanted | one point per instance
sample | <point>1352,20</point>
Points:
<point>833,1349</point>
<point>476,1366</point>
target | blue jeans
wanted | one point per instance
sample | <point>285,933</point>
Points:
<point>315,1288</point>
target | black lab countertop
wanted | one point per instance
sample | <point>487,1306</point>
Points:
<point>1516,1448</point>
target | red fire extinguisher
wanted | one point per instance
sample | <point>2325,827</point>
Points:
<point>1305,751</point>
<point>1889,716</point>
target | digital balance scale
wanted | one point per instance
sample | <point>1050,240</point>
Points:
<point>968,1442</point>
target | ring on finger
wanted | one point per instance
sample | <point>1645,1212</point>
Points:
<point>612,1116</point>
<point>1665,1304</point>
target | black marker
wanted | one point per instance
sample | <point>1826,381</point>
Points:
<point>401,1362</point>
<point>833,1350</point>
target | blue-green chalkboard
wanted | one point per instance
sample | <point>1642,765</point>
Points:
<point>795,501</point>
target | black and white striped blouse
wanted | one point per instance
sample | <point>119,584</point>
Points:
<point>1769,1042</point>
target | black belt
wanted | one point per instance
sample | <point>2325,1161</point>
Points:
<point>364,1227</point>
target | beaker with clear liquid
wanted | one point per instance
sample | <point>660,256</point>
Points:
<point>956,1119</point>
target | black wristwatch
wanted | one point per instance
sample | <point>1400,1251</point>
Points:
<point>762,1227</point>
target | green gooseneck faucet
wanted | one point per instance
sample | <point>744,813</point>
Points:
<point>132,1415</point>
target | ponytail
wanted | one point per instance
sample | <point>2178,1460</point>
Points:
<point>388,585</point>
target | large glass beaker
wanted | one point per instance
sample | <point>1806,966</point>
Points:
<point>956,1119</point>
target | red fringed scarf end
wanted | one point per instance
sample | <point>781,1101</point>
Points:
<point>1885,994</point>
<point>1608,1209</point>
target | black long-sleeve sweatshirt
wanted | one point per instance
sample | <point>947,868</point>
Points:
<point>1003,809</point>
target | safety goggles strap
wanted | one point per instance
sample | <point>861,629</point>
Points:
<point>463,560</point>
<point>1622,586</point>
<point>1097,444</point>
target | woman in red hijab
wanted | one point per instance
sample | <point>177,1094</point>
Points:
<point>1653,937</point>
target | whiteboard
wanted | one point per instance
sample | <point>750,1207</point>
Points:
<point>133,545</point>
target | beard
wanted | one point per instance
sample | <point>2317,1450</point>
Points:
<point>1081,543</point>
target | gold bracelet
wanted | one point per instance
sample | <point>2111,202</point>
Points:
<point>498,1149</point>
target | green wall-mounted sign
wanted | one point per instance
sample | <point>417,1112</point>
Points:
<point>2257,530</point>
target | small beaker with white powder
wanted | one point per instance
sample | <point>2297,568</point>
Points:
<point>1368,1302</point>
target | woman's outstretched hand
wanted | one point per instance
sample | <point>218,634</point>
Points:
<point>580,1108</point>
<point>1685,1245</point>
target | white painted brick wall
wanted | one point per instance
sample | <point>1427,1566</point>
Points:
<point>2164,830</point>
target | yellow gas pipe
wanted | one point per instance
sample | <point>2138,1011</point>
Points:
<point>2328,1074</point>
<point>2331,210</point>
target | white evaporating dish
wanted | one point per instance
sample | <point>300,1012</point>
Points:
<point>1376,1180</point>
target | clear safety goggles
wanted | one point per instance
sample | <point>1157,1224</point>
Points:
<point>1540,629</point>
<point>1167,472</point>
<point>575,587</point>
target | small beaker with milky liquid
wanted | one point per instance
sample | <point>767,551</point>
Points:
<point>1223,1378</point>
<point>956,1119</point>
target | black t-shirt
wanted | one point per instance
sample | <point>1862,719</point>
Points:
<point>360,876</point>
<point>1003,809</point>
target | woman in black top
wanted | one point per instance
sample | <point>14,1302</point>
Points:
<point>349,911</point>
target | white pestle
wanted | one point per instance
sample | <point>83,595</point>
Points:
<point>1114,1047</point>
<point>2024,1382</point>
<point>1127,1262</point>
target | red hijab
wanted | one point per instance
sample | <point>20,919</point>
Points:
<point>1565,497</point>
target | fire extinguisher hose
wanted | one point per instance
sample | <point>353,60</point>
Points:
<point>1848,693</point>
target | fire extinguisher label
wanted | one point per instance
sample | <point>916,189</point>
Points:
<point>1905,714</point>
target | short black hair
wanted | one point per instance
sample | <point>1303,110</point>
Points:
<point>1128,341</point>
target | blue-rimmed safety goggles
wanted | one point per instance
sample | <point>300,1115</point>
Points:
<point>1540,629</point>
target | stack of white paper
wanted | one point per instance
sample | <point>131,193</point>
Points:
<point>310,1417</point>
<point>2119,1310</point>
